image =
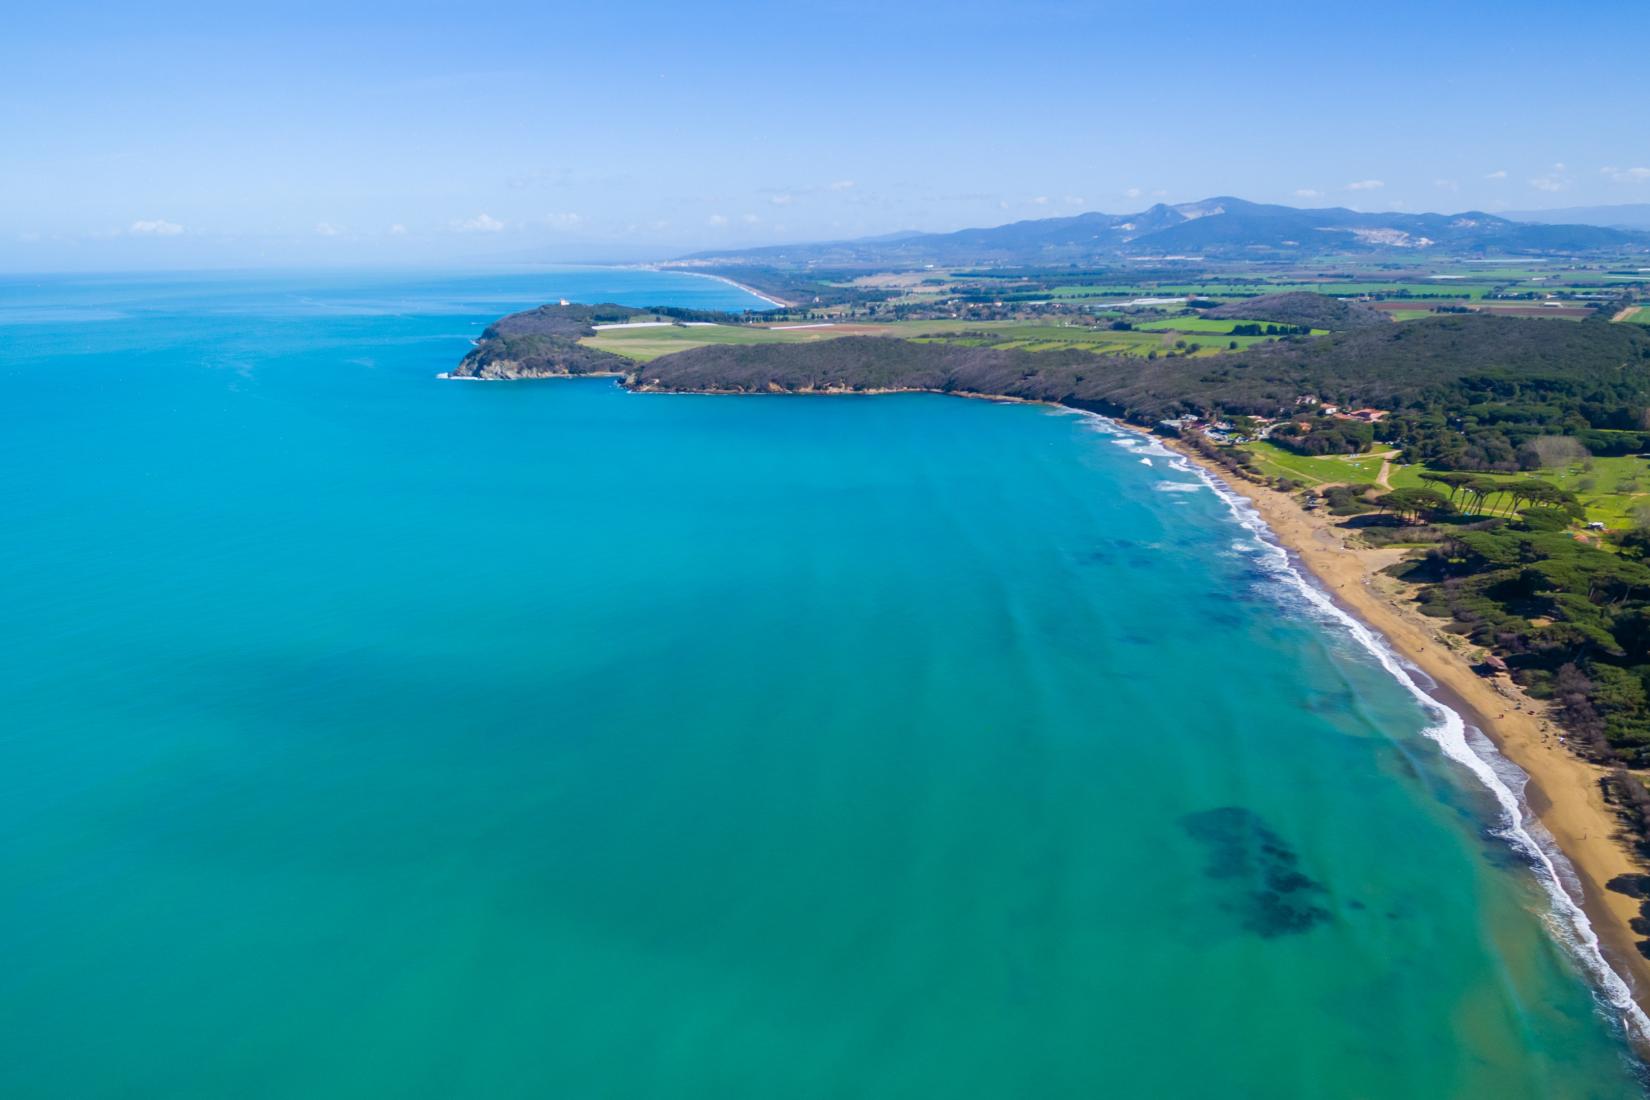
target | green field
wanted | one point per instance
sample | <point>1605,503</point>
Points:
<point>1610,489</point>
<point>1033,336</point>
<point>1475,287</point>
<point>1472,285</point>
<point>1203,325</point>
<point>1274,461</point>
<point>643,344</point>
<point>1641,316</point>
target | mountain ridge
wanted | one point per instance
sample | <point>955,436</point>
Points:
<point>1221,227</point>
<point>1625,215</point>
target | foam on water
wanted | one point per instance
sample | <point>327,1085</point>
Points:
<point>1461,743</point>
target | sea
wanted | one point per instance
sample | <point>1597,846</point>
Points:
<point>365,734</point>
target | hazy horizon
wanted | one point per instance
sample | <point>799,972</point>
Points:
<point>197,137</point>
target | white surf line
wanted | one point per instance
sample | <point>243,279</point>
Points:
<point>1567,920</point>
<point>775,302</point>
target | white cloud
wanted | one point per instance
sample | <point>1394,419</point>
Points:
<point>1366,185</point>
<point>1040,200</point>
<point>718,219</point>
<point>842,185</point>
<point>326,229</point>
<point>782,199</point>
<point>1498,174</point>
<point>564,220</point>
<point>155,227</point>
<point>1559,166</point>
<point>398,230</point>
<point>1074,200</point>
<point>1549,183</point>
<point>1446,185</point>
<point>1308,193</point>
<point>1133,193</point>
<point>1628,175</point>
<point>481,223</point>
<point>749,219</point>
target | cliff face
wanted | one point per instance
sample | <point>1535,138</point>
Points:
<point>506,360</point>
<point>544,343</point>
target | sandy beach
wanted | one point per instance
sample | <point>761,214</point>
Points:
<point>1564,791</point>
<point>770,299</point>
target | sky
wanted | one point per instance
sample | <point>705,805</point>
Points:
<point>184,135</point>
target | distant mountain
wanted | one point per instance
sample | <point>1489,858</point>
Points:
<point>1631,215</point>
<point>1218,228</point>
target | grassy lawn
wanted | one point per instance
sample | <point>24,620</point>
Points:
<point>1610,489</point>
<point>1274,461</point>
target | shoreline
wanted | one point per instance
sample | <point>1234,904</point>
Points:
<point>752,291</point>
<point>1562,793</point>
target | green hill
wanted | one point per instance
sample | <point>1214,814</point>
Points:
<point>1301,308</point>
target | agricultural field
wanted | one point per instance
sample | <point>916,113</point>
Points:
<point>1202,325</point>
<point>1464,282</point>
<point>1639,316</point>
<point>1027,336</point>
<point>643,344</point>
<point>1042,336</point>
<point>1425,288</point>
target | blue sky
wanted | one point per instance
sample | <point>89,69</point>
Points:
<point>186,135</point>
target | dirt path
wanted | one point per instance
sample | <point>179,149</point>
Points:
<point>1626,312</point>
<point>1382,479</point>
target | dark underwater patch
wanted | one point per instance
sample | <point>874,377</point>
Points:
<point>1269,895</point>
<point>1128,552</point>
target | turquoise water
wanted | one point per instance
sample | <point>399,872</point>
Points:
<point>372,735</point>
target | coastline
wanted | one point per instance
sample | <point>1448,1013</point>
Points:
<point>1563,792</point>
<point>752,291</point>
